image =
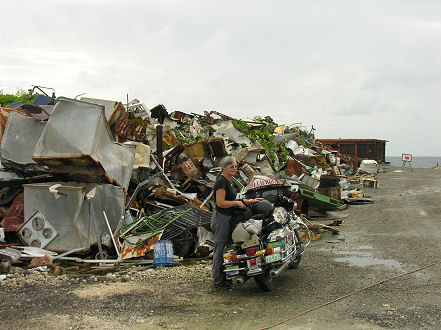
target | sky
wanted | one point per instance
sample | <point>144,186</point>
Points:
<point>352,69</point>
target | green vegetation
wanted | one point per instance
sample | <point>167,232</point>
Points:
<point>20,95</point>
<point>264,136</point>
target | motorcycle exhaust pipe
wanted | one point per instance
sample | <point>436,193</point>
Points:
<point>240,280</point>
<point>275,272</point>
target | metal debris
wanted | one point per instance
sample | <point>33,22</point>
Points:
<point>111,161</point>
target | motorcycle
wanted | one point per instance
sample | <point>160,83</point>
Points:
<point>273,241</point>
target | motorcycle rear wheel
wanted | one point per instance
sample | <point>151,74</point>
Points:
<point>265,281</point>
<point>295,263</point>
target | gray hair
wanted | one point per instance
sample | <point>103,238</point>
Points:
<point>228,160</point>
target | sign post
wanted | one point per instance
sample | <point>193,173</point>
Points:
<point>406,158</point>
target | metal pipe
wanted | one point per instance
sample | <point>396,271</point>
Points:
<point>274,272</point>
<point>166,177</point>
<point>240,280</point>
<point>207,199</point>
<point>159,146</point>
<point>111,235</point>
<point>138,187</point>
<point>97,233</point>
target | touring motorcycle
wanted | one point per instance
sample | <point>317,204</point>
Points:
<point>267,243</point>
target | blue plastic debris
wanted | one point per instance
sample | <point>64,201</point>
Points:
<point>163,253</point>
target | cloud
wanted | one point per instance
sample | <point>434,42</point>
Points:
<point>353,69</point>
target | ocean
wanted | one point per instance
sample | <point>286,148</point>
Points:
<point>417,162</point>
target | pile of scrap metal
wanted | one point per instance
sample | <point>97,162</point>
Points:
<point>96,178</point>
<point>365,176</point>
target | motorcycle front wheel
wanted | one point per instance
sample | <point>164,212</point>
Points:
<point>265,281</point>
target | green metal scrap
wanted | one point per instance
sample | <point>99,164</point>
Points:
<point>320,202</point>
<point>153,225</point>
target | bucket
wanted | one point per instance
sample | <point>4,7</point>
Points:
<point>163,253</point>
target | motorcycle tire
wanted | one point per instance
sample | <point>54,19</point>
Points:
<point>265,281</point>
<point>295,263</point>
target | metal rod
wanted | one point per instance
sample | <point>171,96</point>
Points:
<point>111,235</point>
<point>67,253</point>
<point>133,226</point>
<point>279,270</point>
<point>97,233</point>
<point>159,147</point>
<point>166,177</point>
<point>138,187</point>
<point>207,199</point>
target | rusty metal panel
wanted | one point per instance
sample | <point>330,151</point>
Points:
<point>188,168</point>
<point>132,129</point>
<point>130,250</point>
<point>73,209</point>
<point>197,149</point>
<point>217,148</point>
<point>77,144</point>
<point>14,216</point>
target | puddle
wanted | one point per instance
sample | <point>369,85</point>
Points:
<point>363,257</point>
<point>358,259</point>
<point>365,247</point>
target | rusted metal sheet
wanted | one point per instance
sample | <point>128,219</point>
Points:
<point>170,139</point>
<point>358,148</point>
<point>130,250</point>
<point>293,167</point>
<point>206,149</point>
<point>132,129</point>
<point>198,149</point>
<point>217,148</point>
<point>190,169</point>
<point>77,144</point>
<point>117,116</point>
<point>14,216</point>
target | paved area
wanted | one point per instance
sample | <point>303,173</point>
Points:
<point>399,233</point>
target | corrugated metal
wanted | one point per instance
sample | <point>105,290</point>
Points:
<point>77,144</point>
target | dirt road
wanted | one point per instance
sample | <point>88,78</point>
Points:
<point>400,232</point>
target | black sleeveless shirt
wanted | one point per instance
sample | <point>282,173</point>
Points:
<point>230,193</point>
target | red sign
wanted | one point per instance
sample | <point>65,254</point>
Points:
<point>261,183</point>
<point>406,157</point>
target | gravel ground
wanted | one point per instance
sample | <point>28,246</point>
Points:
<point>400,232</point>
